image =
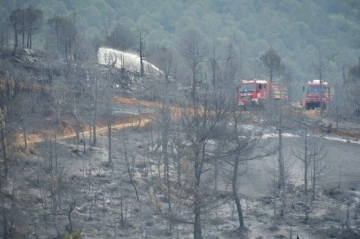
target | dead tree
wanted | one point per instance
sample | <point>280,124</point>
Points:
<point>274,114</point>
<point>165,123</point>
<point>141,51</point>
<point>304,155</point>
<point>272,63</point>
<point>177,150</point>
<point>24,106</point>
<point>4,34</point>
<point>34,19</point>
<point>4,218</point>
<point>72,205</point>
<point>233,64</point>
<point>312,153</point>
<point>109,119</point>
<point>194,49</point>
<point>201,123</point>
<point>95,110</point>
<point>320,67</point>
<point>164,59</point>
<point>214,63</point>
<point>287,76</point>
<point>3,114</point>
<point>281,161</point>
<point>242,144</point>
<point>66,35</point>
<point>74,96</point>
<point>25,21</point>
<point>109,108</point>
<point>15,21</point>
<point>320,166</point>
<point>129,169</point>
<point>55,26</point>
<point>58,90</point>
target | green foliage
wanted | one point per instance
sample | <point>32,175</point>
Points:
<point>295,28</point>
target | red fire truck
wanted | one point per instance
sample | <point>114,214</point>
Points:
<point>255,92</point>
<point>316,93</point>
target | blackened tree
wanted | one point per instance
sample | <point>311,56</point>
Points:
<point>25,22</point>
<point>66,35</point>
<point>15,21</point>
<point>272,63</point>
<point>194,49</point>
<point>34,22</point>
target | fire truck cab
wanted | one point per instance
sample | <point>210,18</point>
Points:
<point>316,93</point>
<point>252,92</point>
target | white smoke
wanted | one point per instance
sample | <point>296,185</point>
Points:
<point>129,61</point>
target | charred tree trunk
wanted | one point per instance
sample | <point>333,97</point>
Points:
<point>24,133</point>
<point>57,111</point>
<point>281,179</point>
<point>55,152</point>
<point>141,53</point>
<point>306,173</point>
<point>213,67</point>
<point>216,173</point>
<point>109,127</point>
<point>23,39</point>
<point>281,184</point>
<point>167,173</point>
<point>77,131</point>
<point>5,231</point>
<point>77,123</point>
<point>109,141</point>
<point>16,40</point>
<point>3,147</point>
<point>313,175</point>
<point>165,115</point>
<point>236,195</point>
<point>30,40</point>
<point>194,82</point>
<point>197,196</point>
<point>95,112</point>
<point>130,172</point>
<point>197,224</point>
<point>71,209</point>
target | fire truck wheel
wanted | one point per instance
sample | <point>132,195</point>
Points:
<point>307,106</point>
<point>242,107</point>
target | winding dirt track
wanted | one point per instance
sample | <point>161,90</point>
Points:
<point>66,130</point>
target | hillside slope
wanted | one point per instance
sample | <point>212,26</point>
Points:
<point>296,29</point>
